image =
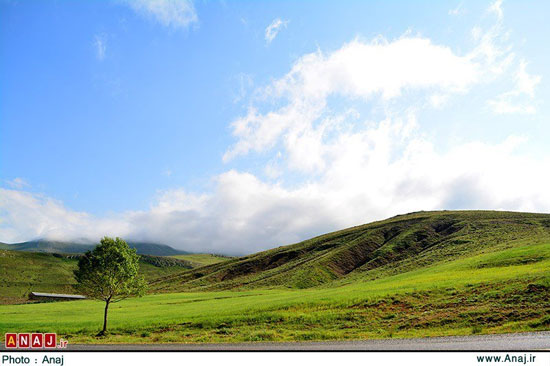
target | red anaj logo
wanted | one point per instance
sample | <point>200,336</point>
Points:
<point>33,340</point>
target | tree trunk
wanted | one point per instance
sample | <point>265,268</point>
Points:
<point>105,317</point>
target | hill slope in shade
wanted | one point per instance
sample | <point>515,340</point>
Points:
<point>396,245</point>
<point>51,246</point>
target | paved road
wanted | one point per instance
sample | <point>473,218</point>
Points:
<point>514,342</point>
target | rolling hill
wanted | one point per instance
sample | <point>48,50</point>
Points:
<point>374,250</point>
<point>204,259</point>
<point>51,246</point>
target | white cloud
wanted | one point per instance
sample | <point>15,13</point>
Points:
<point>244,84</point>
<point>496,8</point>
<point>438,100</point>
<point>273,29</point>
<point>457,11</point>
<point>100,45</point>
<point>476,32</point>
<point>503,104</point>
<point>379,70</point>
<point>526,83</point>
<point>26,215</point>
<point>169,13</point>
<point>17,183</point>
<point>520,99</point>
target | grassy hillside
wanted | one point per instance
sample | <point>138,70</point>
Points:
<point>423,274</point>
<point>23,272</point>
<point>374,250</point>
<point>52,246</point>
<point>200,260</point>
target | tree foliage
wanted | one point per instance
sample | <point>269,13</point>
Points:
<point>110,273</point>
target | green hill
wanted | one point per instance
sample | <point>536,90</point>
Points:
<point>52,246</point>
<point>23,272</point>
<point>202,259</point>
<point>399,244</point>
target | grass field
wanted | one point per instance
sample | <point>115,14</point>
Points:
<point>199,260</point>
<point>505,289</point>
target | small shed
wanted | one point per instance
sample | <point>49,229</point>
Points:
<point>54,297</point>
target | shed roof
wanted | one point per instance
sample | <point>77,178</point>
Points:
<point>64,296</point>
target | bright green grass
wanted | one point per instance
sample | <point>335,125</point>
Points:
<point>199,260</point>
<point>472,294</point>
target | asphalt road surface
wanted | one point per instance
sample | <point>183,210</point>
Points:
<point>511,342</point>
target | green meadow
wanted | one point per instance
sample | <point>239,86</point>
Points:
<point>199,260</point>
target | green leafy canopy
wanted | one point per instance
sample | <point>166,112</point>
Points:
<point>110,272</point>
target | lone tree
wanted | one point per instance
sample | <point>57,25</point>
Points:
<point>110,273</point>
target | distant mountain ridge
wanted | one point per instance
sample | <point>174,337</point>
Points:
<point>53,246</point>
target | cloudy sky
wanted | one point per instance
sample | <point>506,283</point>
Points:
<point>234,127</point>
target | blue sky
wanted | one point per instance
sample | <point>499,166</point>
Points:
<point>238,126</point>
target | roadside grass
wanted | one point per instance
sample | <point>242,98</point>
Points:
<point>494,292</point>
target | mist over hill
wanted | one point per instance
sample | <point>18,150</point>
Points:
<point>52,246</point>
